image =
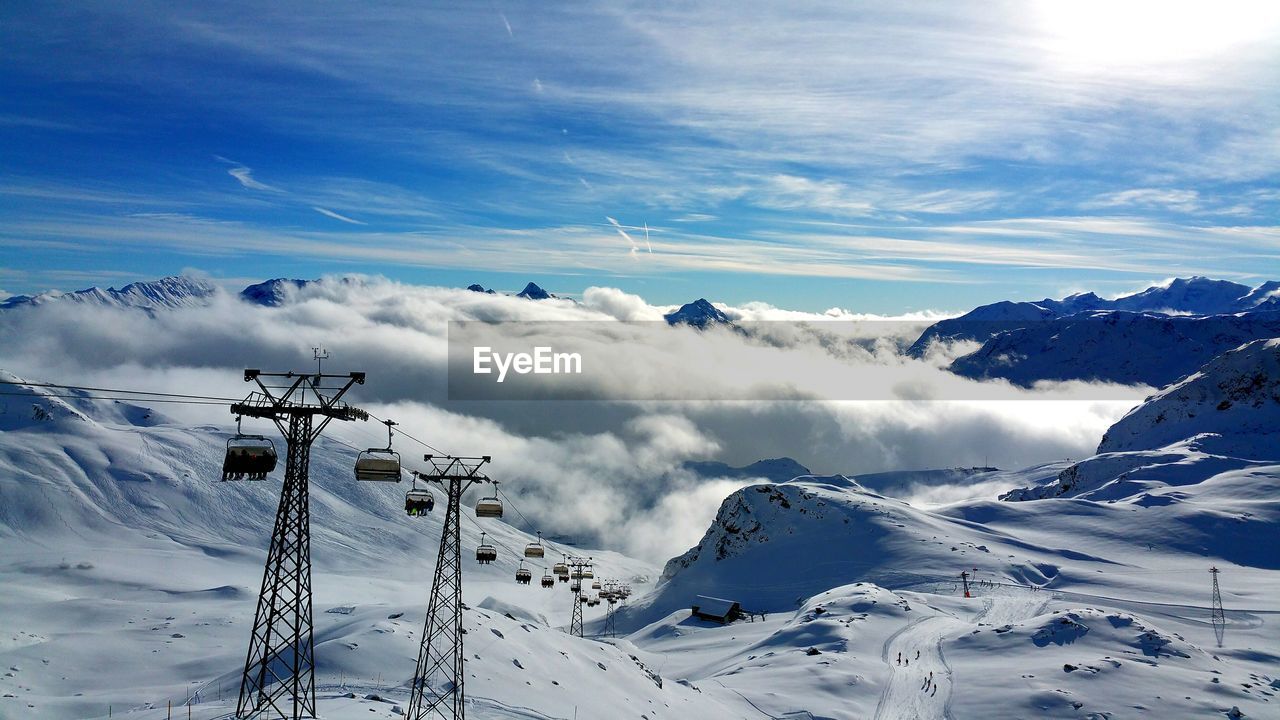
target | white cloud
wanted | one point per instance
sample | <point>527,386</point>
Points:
<point>602,470</point>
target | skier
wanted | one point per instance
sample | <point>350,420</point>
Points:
<point>935,691</point>
<point>899,658</point>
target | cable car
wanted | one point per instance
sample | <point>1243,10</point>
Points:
<point>548,581</point>
<point>535,549</point>
<point>249,457</point>
<point>418,502</point>
<point>485,553</point>
<point>490,507</point>
<point>379,464</point>
<point>523,576</point>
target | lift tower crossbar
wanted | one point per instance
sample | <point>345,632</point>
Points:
<point>279,669</point>
<point>436,690</point>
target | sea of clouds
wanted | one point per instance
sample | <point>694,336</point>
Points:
<point>608,470</point>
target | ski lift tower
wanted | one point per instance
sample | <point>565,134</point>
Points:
<point>279,670</point>
<point>437,685</point>
<point>578,568</point>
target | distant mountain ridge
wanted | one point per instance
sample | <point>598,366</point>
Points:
<point>1113,346</point>
<point>171,292</point>
<point>1195,296</point>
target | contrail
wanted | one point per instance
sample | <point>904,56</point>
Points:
<point>618,226</point>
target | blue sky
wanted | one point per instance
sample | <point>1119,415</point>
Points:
<point>865,156</point>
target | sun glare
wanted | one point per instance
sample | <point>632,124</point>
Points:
<point>1098,34</point>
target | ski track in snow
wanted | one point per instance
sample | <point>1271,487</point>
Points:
<point>906,695</point>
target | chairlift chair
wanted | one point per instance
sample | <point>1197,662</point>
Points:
<point>548,581</point>
<point>379,464</point>
<point>418,502</point>
<point>535,549</point>
<point>249,457</point>
<point>489,507</point>
<point>485,553</point>
<point>587,573</point>
<point>523,575</point>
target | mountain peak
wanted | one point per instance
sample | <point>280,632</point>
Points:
<point>477,287</point>
<point>274,292</point>
<point>533,292</point>
<point>699,314</point>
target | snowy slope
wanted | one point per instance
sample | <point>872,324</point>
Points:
<point>886,576</point>
<point>171,292</point>
<point>1235,397</point>
<point>131,573</point>
<point>131,576</point>
<point>1204,430</point>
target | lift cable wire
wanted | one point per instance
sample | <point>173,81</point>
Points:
<point>190,399</point>
<point>118,399</point>
<point>118,391</point>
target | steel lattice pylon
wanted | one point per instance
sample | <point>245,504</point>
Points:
<point>436,690</point>
<point>610,624</point>
<point>279,670</point>
<point>576,566</point>
<point>575,624</point>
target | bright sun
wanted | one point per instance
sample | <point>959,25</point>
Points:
<point>1097,34</point>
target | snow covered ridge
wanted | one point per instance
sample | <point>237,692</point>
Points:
<point>1195,296</point>
<point>1235,397</point>
<point>171,292</point>
<point>1221,419</point>
<point>1113,346</point>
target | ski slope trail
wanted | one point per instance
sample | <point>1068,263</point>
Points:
<point>921,680</point>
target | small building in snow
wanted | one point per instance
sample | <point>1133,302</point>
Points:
<point>716,609</point>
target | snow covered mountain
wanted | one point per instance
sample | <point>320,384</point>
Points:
<point>1211,431</point>
<point>1198,296</point>
<point>1232,404</point>
<point>131,574</point>
<point>775,469</point>
<point>167,293</point>
<point>533,292</point>
<point>1113,346</point>
<point>699,314</point>
<point>273,293</point>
